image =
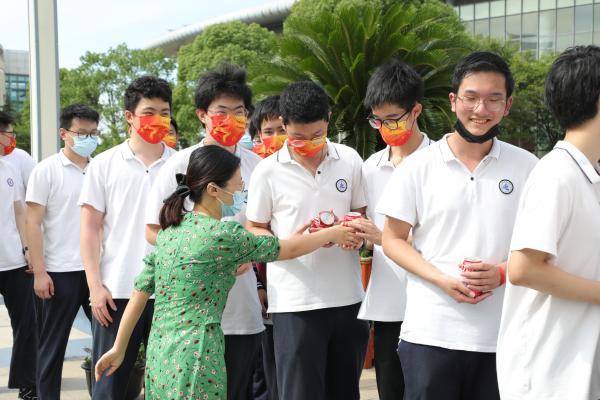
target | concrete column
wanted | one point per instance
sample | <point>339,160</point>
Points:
<point>43,78</point>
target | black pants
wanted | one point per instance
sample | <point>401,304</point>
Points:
<point>388,370</point>
<point>265,378</point>
<point>16,287</point>
<point>320,353</point>
<point>241,353</point>
<point>432,373</point>
<point>114,387</point>
<point>58,314</point>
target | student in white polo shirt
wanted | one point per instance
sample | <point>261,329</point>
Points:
<point>313,299</point>
<point>19,159</point>
<point>113,199</point>
<point>16,281</point>
<point>53,239</point>
<point>222,102</point>
<point>549,343</point>
<point>393,96</point>
<point>459,196</point>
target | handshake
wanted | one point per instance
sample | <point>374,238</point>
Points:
<point>327,219</point>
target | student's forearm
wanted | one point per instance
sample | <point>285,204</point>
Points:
<point>404,255</point>
<point>297,246</point>
<point>544,277</point>
<point>259,231</point>
<point>131,315</point>
<point>90,256</point>
<point>35,242</point>
<point>20,222</point>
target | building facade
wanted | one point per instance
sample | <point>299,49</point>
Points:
<point>16,77</point>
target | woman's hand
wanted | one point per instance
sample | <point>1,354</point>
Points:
<point>111,360</point>
<point>345,236</point>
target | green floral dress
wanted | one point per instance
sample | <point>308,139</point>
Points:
<point>191,271</point>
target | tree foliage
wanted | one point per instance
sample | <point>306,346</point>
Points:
<point>340,47</point>
<point>233,42</point>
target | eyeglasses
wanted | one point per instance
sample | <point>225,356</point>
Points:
<point>85,135</point>
<point>493,104</point>
<point>11,134</point>
<point>239,112</point>
<point>391,123</point>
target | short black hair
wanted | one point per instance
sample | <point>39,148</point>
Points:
<point>265,110</point>
<point>573,86</point>
<point>149,87</point>
<point>227,79</point>
<point>80,111</point>
<point>6,119</point>
<point>394,82</point>
<point>304,102</point>
<point>174,123</point>
<point>482,61</point>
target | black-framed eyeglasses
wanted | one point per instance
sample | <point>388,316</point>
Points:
<point>493,104</point>
<point>11,134</point>
<point>85,135</point>
<point>391,123</point>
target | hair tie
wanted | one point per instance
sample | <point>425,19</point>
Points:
<point>181,179</point>
<point>183,190</point>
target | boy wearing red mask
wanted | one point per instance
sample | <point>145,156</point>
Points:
<point>222,102</point>
<point>20,160</point>
<point>113,199</point>
<point>267,125</point>
<point>314,299</point>
<point>393,96</point>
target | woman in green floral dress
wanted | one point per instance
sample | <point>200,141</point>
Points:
<point>191,271</point>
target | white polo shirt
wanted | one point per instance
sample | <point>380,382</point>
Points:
<point>456,214</point>
<point>22,162</point>
<point>242,314</point>
<point>55,183</point>
<point>11,256</point>
<point>385,299</point>
<point>549,347</point>
<point>118,184</point>
<point>286,195</point>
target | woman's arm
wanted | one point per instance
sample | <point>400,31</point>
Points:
<point>299,244</point>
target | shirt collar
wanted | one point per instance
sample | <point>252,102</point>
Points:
<point>448,155</point>
<point>385,157</point>
<point>582,161</point>
<point>284,156</point>
<point>128,154</point>
<point>64,160</point>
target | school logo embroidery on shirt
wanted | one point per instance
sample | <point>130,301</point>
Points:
<point>341,185</point>
<point>10,182</point>
<point>506,186</point>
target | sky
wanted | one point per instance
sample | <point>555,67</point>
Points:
<point>97,25</point>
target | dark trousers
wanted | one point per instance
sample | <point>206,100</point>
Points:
<point>241,353</point>
<point>265,378</point>
<point>58,313</point>
<point>320,353</point>
<point>114,387</point>
<point>388,370</point>
<point>432,373</point>
<point>16,287</point>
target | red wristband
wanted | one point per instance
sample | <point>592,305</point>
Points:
<point>502,275</point>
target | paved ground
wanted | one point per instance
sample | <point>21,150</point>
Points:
<point>73,383</point>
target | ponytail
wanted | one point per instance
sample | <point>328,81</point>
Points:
<point>171,213</point>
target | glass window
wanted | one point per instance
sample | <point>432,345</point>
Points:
<point>578,2</point>
<point>482,10</point>
<point>584,19</point>
<point>497,8</point>
<point>513,7</point>
<point>597,38</point>
<point>497,28</point>
<point>466,12</point>
<point>513,28</point>
<point>565,3</point>
<point>547,31</point>
<point>529,36</point>
<point>530,5</point>
<point>563,41</point>
<point>597,18</point>
<point>564,21</point>
<point>482,27</point>
<point>468,26</point>
<point>547,4</point>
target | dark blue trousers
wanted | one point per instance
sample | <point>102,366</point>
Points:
<point>388,369</point>
<point>241,355</point>
<point>16,287</point>
<point>265,375</point>
<point>57,316</point>
<point>320,353</point>
<point>433,373</point>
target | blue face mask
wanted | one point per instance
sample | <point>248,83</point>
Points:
<point>246,141</point>
<point>84,146</point>
<point>230,210</point>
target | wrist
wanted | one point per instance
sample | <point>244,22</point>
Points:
<point>502,270</point>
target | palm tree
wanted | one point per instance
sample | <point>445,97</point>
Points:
<point>340,48</point>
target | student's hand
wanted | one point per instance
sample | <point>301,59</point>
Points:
<point>43,285</point>
<point>99,297</point>
<point>482,277</point>
<point>345,236</point>
<point>264,302</point>
<point>366,229</point>
<point>242,269</point>
<point>458,291</point>
<point>111,360</point>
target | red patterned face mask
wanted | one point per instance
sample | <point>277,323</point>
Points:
<point>396,137</point>
<point>307,148</point>
<point>273,143</point>
<point>227,130</point>
<point>171,140</point>
<point>11,146</point>
<point>153,128</point>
